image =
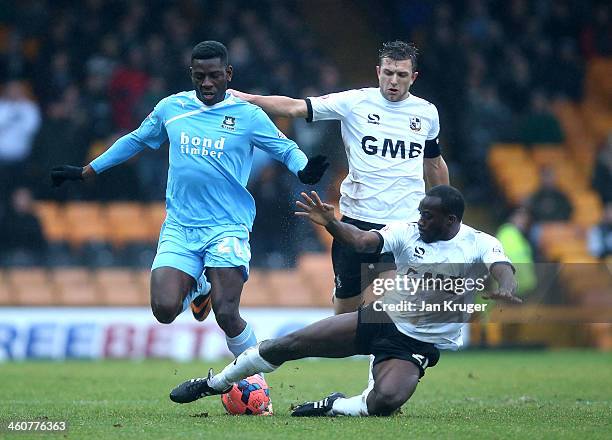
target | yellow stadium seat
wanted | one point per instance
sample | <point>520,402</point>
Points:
<point>315,270</point>
<point>554,232</point>
<point>24,277</point>
<point>156,213</point>
<point>548,154</point>
<point>257,291</point>
<point>52,219</point>
<point>79,295</point>
<point>291,290</point>
<point>128,222</point>
<point>86,223</point>
<point>505,153</point>
<point>7,294</point>
<point>35,295</point>
<point>75,287</point>
<point>120,287</point>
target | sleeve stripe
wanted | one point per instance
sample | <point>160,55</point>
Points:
<point>381,243</point>
<point>309,109</point>
<point>184,115</point>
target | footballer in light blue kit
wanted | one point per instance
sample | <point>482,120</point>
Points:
<point>210,213</point>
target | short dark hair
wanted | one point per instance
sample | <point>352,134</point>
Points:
<point>209,49</point>
<point>452,200</point>
<point>399,50</point>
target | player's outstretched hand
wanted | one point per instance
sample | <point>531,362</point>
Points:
<point>503,295</point>
<point>314,170</point>
<point>65,172</point>
<point>317,211</point>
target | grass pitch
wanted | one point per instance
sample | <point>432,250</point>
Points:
<point>563,394</point>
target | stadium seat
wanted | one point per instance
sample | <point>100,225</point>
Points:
<point>548,154</point>
<point>588,209</point>
<point>142,279</point>
<point>36,295</point>
<point>128,223</point>
<point>500,154</point>
<point>25,277</point>
<point>559,232</point>
<point>119,287</point>
<point>315,270</point>
<point>7,296</point>
<point>30,287</point>
<point>75,287</point>
<point>156,213</point>
<point>291,290</point>
<point>86,223</point>
<point>52,220</point>
<point>257,291</point>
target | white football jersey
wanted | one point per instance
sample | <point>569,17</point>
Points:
<point>467,256</point>
<point>385,143</point>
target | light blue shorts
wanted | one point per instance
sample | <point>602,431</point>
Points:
<point>192,249</point>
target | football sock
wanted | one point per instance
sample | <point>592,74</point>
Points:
<point>370,373</point>
<point>247,364</point>
<point>355,406</point>
<point>244,340</point>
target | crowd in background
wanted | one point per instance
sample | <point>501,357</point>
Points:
<point>75,76</point>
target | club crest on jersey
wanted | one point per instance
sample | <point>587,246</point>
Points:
<point>418,252</point>
<point>415,123</point>
<point>229,123</point>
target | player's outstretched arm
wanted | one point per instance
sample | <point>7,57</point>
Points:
<point>507,285</point>
<point>123,149</point>
<point>323,214</point>
<point>62,173</point>
<point>436,171</point>
<point>275,105</point>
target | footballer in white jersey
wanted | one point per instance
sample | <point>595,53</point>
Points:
<point>404,345</point>
<point>460,263</point>
<point>391,142</point>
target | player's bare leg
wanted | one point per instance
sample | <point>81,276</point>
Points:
<point>395,380</point>
<point>333,337</point>
<point>227,283</point>
<point>169,288</point>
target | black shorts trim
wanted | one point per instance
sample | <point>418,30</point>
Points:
<point>378,335</point>
<point>354,271</point>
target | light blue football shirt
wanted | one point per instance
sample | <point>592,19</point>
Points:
<point>210,158</point>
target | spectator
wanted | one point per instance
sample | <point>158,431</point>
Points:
<point>513,237</point>
<point>21,235</point>
<point>539,125</point>
<point>548,203</point>
<point>128,84</point>
<point>19,121</point>
<point>599,238</point>
<point>63,138</point>
<point>602,174</point>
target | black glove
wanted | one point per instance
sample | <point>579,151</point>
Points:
<point>66,172</point>
<point>314,170</point>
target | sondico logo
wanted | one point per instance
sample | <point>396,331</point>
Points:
<point>201,146</point>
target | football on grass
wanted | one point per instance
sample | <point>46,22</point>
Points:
<point>250,396</point>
